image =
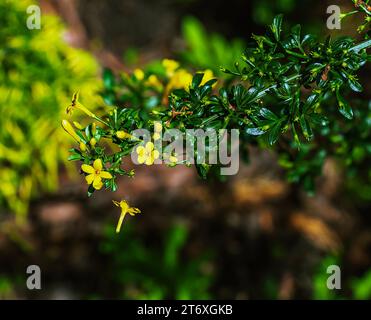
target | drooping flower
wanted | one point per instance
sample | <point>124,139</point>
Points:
<point>95,174</point>
<point>125,208</point>
<point>75,104</point>
<point>147,154</point>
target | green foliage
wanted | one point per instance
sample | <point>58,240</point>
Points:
<point>208,50</point>
<point>144,271</point>
<point>291,97</point>
<point>320,290</point>
<point>362,287</point>
<point>38,72</point>
<point>6,288</point>
<point>358,288</point>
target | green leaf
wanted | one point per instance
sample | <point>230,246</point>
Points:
<point>355,85</point>
<point>108,79</point>
<point>344,107</point>
<point>197,79</point>
<point>254,131</point>
<point>276,27</point>
<point>305,127</point>
<point>267,114</point>
<point>273,133</point>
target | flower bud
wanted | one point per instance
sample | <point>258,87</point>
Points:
<point>70,130</point>
<point>83,146</point>
<point>93,142</point>
<point>123,135</point>
<point>78,125</point>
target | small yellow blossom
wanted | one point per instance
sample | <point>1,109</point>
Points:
<point>123,135</point>
<point>95,174</point>
<point>125,208</point>
<point>76,104</point>
<point>153,81</point>
<point>170,67</point>
<point>139,74</point>
<point>70,130</point>
<point>147,154</point>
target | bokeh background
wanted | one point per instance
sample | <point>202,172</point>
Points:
<point>254,236</point>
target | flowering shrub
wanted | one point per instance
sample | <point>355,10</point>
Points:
<point>37,73</point>
<point>289,93</point>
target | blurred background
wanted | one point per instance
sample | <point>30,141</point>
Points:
<point>254,236</point>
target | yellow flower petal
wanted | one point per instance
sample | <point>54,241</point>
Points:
<point>124,205</point>
<point>87,169</point>
<point>97,183</point>
<point>142,159</point>
<point>140,150</point>
<point>105,175</point>
<point>158,126</point>
<point>98,165</point>
<point>149,146</point>
<point>90,178</point>
<point>133,211</point>
<point>156,136</point>
<point>173,159</point>
<point>155,154</point>
<point>149,161</point>
<point>116,203</point>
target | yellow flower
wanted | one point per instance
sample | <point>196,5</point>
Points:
<point>208,75</point>
<point>95,174</point>
<point>158,128</point>
<point>153,81</point>
<point>123,135</point>
<point>76,104</point>
<point>125,208</point>
<point>70,130</point>
<point>181,80</point>
<point>170,67</point>
<point>139,74</point>
<point>147,154</point>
